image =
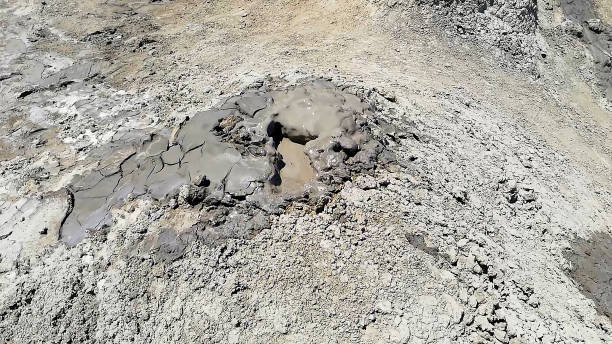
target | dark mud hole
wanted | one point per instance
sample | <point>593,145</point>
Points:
<point>591,262</point>
<point>239,163</point>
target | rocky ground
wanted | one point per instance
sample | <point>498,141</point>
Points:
<point>464,193</point>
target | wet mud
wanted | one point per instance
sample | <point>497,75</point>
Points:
<point>591,268</point>
<point>296,171</point>
<point>250,156</point>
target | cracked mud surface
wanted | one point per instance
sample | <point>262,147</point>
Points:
<point>195,165</point>
<point>356,171</point>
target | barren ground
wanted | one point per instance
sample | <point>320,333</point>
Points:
<point>492,222</point>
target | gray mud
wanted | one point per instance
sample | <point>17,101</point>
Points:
<point>261,147</point>
<point>591,268</point>
<point>596,34</point>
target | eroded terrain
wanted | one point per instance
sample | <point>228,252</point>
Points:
<point>355,171</point>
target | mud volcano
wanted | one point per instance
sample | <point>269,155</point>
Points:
<point>251,156</point>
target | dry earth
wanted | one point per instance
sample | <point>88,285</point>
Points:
<point>483,215</point>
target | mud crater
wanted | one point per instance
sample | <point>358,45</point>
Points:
<point>251,157</point>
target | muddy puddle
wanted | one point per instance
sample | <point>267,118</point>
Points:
<point>591,269</point>
<point>257,150</point>
<point>296,171</point>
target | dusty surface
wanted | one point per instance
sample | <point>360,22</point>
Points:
<point>484,217</point>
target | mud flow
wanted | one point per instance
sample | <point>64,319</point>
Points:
<point>260,148</point>
<point>591,262</point>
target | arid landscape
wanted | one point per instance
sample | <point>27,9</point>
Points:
<point>294,171</point>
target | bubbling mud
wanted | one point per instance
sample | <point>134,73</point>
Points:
<point>262,147</point>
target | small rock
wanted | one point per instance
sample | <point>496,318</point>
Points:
<point>548,339</point>
<point>533,301</point>
<point>460,194</point>
<point>366,182</point>
<point>384,307</point>
<point>512,185</point>
<point>482,323</point>
<point>528,195</point>
<point>191,194</point>
<point>201,180</point>
<point>572,28</point>
<point>228,123</point>
<point>595,25</point>
<point>387,94</point>
<point>500,335</point>
<point>473,302</point>
<point>451,255</point>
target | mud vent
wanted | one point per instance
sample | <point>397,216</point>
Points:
<point>253,155</point>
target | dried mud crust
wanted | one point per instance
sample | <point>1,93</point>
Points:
<point>229,157</point>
